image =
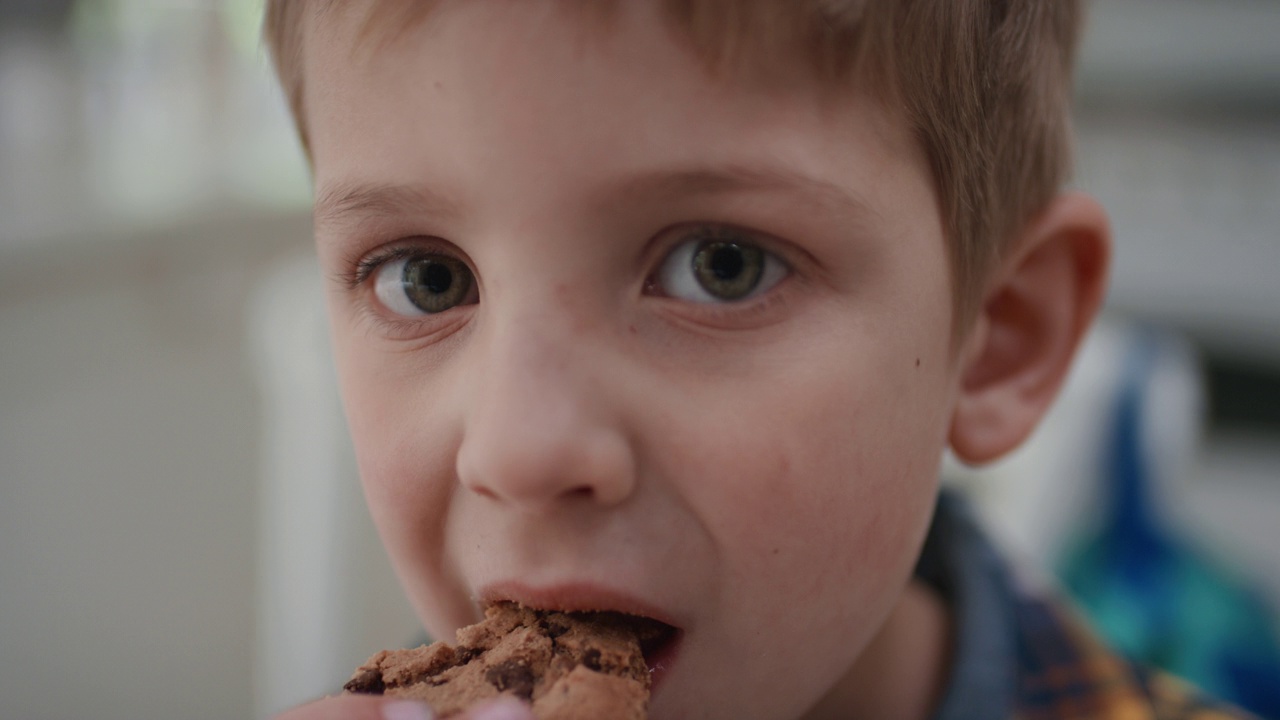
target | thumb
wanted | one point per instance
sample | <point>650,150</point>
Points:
<point>360,707</point>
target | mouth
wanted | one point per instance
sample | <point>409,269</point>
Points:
<point>658,636</point>
<point>658,640</point>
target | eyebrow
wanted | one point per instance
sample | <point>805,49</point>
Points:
<point>350,202</point>
<point>732,179</point>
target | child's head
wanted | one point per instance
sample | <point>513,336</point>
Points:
<point>983,86</point>
<point>672,307</point>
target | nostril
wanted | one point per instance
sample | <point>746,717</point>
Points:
<point>583,492</point>
<point>486,492</point>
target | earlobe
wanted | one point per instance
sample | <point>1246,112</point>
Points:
<point>1036,309</point>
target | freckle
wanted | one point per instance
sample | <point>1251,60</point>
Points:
<point>917,362</point>
<point>775,551</point>
<point>632,328</point>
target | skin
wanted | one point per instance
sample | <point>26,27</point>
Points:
<point>759,473</point>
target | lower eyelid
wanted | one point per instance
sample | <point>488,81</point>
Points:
<point>421,330</point>
<point>756,311</point>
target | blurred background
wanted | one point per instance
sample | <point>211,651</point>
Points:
<point>181,529</point>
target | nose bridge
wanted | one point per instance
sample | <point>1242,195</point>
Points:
<point>533,351</point>
<point>538,430</point>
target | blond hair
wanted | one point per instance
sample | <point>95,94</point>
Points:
<point>985,86</point>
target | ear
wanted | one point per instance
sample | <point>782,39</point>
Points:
<point>1035,311</point>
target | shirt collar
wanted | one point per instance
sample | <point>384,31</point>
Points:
<point>964,567</point>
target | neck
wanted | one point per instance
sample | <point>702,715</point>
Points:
<point>904,670</point>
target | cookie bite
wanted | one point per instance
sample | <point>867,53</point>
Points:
<point>569,666</point>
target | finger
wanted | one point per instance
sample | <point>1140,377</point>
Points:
<point>500,709</point>
<point>359,707</point>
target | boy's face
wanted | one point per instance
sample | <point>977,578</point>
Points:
<point>691,349</point>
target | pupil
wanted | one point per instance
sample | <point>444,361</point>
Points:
<point>437,278</point>
<point>726,263</point>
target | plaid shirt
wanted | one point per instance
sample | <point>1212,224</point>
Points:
<point>1066,673</point>
<point>1020,656</point>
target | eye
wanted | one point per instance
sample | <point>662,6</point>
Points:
<point>423,284</point>
<point>718,267</point>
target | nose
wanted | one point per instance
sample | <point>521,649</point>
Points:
<point>541,432</point>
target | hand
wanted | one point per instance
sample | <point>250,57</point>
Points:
<point>373,707</point>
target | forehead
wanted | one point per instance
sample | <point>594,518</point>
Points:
<point>832,38</point>
<point>461,90</point>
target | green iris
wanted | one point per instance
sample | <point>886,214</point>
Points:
<point>728,270</point>
<point>436,283</point>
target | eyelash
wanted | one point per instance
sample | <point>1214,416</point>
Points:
<point>364,268</point>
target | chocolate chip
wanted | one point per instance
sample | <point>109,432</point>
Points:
<point>368,682</point>
<point>554,629</point>
<point>591,659</point>
<point>511,675</point>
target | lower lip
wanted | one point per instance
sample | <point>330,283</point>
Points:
<point>661,662</point>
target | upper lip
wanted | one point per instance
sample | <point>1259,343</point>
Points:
<point>573,597</point>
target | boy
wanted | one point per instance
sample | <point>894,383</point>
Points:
<point>671,308</point>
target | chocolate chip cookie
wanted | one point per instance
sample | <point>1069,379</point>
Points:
<point>569,666</point>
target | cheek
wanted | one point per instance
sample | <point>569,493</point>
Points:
<point>396,407</point>
<point>834,489</point>
<point>399,464</point>
<point>820,486</point>
<point>404,452</point>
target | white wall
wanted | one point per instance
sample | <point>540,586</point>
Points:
<point>128,478</point>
